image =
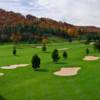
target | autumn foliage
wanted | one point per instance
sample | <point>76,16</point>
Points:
<point>30,27</point>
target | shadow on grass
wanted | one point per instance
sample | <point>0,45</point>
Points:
<point>47,52</point>
<point>16,55</point>
<point>2,98</point>
<point>10,56</point>
<point>42,70</point>
<point>61,63</point>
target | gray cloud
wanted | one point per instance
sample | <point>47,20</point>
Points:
<point>79,12</point>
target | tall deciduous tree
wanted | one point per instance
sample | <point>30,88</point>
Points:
<point>16,37</point>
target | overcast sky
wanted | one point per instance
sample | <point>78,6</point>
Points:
<point>78,12</point>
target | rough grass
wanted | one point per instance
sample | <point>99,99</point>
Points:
<point>27,84</point>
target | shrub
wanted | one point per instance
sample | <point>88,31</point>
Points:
<point>65,55</point>
<point>97,46</point>
<point>55,56</point>
<point>35,62</point>
<point>44,48</point>
<point>14,51</point>
<point>87,51</point>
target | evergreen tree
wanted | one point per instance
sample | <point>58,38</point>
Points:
<point>35,62</point>
<point>14,51</point>
<point>65,55</point>
<point>97,45</point>
<point>44,48</point>
<point>55,56</point>
<point>87,51</point>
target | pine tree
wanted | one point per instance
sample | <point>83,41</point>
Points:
<point>35,62</point>
<point>97,46</point>
<point>65,55</point>
<point>55,56</point>
<point>87,51</point>
<point>44,48</point>
<point>14,51</point>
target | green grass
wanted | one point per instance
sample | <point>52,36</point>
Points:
<point>27,84</point>
<point>55,39</point>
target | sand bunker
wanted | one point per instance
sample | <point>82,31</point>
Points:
<point>90,58</point>
<point>1,74</point>
<point>92,43</point>
<point>63,49</point>
<point>39,47</point>
<point>67,71</point>
<point>14,66</point>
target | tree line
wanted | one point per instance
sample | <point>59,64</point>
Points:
<point>32,28</point>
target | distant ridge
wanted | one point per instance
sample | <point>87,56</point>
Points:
<point>10,19</point>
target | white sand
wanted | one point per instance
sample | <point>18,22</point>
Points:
<point>90,58</point>
<point>92,43</point>
<point>8,67</point>
<point>1,74</point>
<point>14,66</point>
<point>63,49</point>
<point>67,71</point>
<point>22,65</point>
<point>39,47</point>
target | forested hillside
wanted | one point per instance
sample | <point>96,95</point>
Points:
<point>31,27</point>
